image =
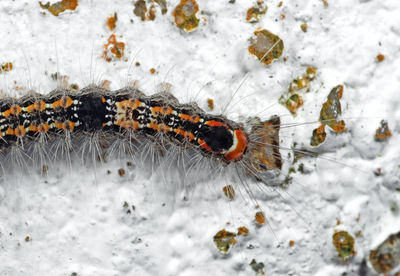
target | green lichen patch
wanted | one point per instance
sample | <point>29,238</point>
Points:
<point>224,240</point>
<point>59,7</point>
<point>111,21</point>
<point>144,13</point>
<point>6,67</point>
<point>266,46</point>
<point>229,192</point>
<point>293,99</point>
<point>304,27</point>
<point>318,136</point>
<point>331,109</point>
<point>330,112</point>
<point>140,9</point>
<point>260,218</point>
<point>257,267</point>
<point>344,244</point>
<point>113,49</point>
<point>387,255</point>
<point>254,14</point>
<point>292,103</point>
<point>185,14</point>
<point>303,82</point>
<point>243,231</point>
<point>383,132</point>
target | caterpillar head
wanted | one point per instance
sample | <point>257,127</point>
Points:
<point>257,152</point>
<point>224,141</point>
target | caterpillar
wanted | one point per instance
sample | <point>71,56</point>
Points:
<point>128,114</point>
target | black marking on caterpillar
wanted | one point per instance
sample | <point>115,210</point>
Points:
<point>129,112</point>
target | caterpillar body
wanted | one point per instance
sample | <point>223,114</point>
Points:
<point>131,114</point>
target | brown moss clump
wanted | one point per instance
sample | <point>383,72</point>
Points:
<point>304,81</point>
<point>260,218</point>
<point>344,244</point>
<point>383,132</point>
<point>112,22</point>
<point>266,46</point>
<point>243,231</point>
<point>152,12</point>
<point>304,27</point>
<point>45,169</point>
<point>229,192</point>
<point>318,136</point>
<point>210,103</point>
<point>254,14</point>
<point>6,67</point>
<point>387,255</point>
<point>380,58</point>
<point>293,103</point>
<point>224,240</point>
<point>121,172</point>
<point>145,13</point>
<point>140,9</point>
<point>330,111</point>
<point>113,48</point>
<point>60,6</point>
<point>185,15</point>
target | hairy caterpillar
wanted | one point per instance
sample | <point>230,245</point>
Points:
<point>128,114</point>
<point>68,222</point>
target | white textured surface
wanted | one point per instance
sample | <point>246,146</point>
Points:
<point>74,216</point>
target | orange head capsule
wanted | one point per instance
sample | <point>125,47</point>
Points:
<point>222,140</point>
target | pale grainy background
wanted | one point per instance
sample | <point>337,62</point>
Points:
<point>74,216</point>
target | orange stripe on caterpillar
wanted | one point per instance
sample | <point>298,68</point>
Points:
<point>215,123</point>
<point>64,102</point>
<point>20,131</point>
<point>10,131</point>
<point>130,124</point>
<point>33,128</point>
<point>186,134</point>
<point>204,145</point>
<point>36,106</point>
<point>159,127</point>
<point>192,118</point>
<point>133,104</point>
<point>43,128</point>
<point>68,125</point>
<point>161,110</point>
<point>13,110</point>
